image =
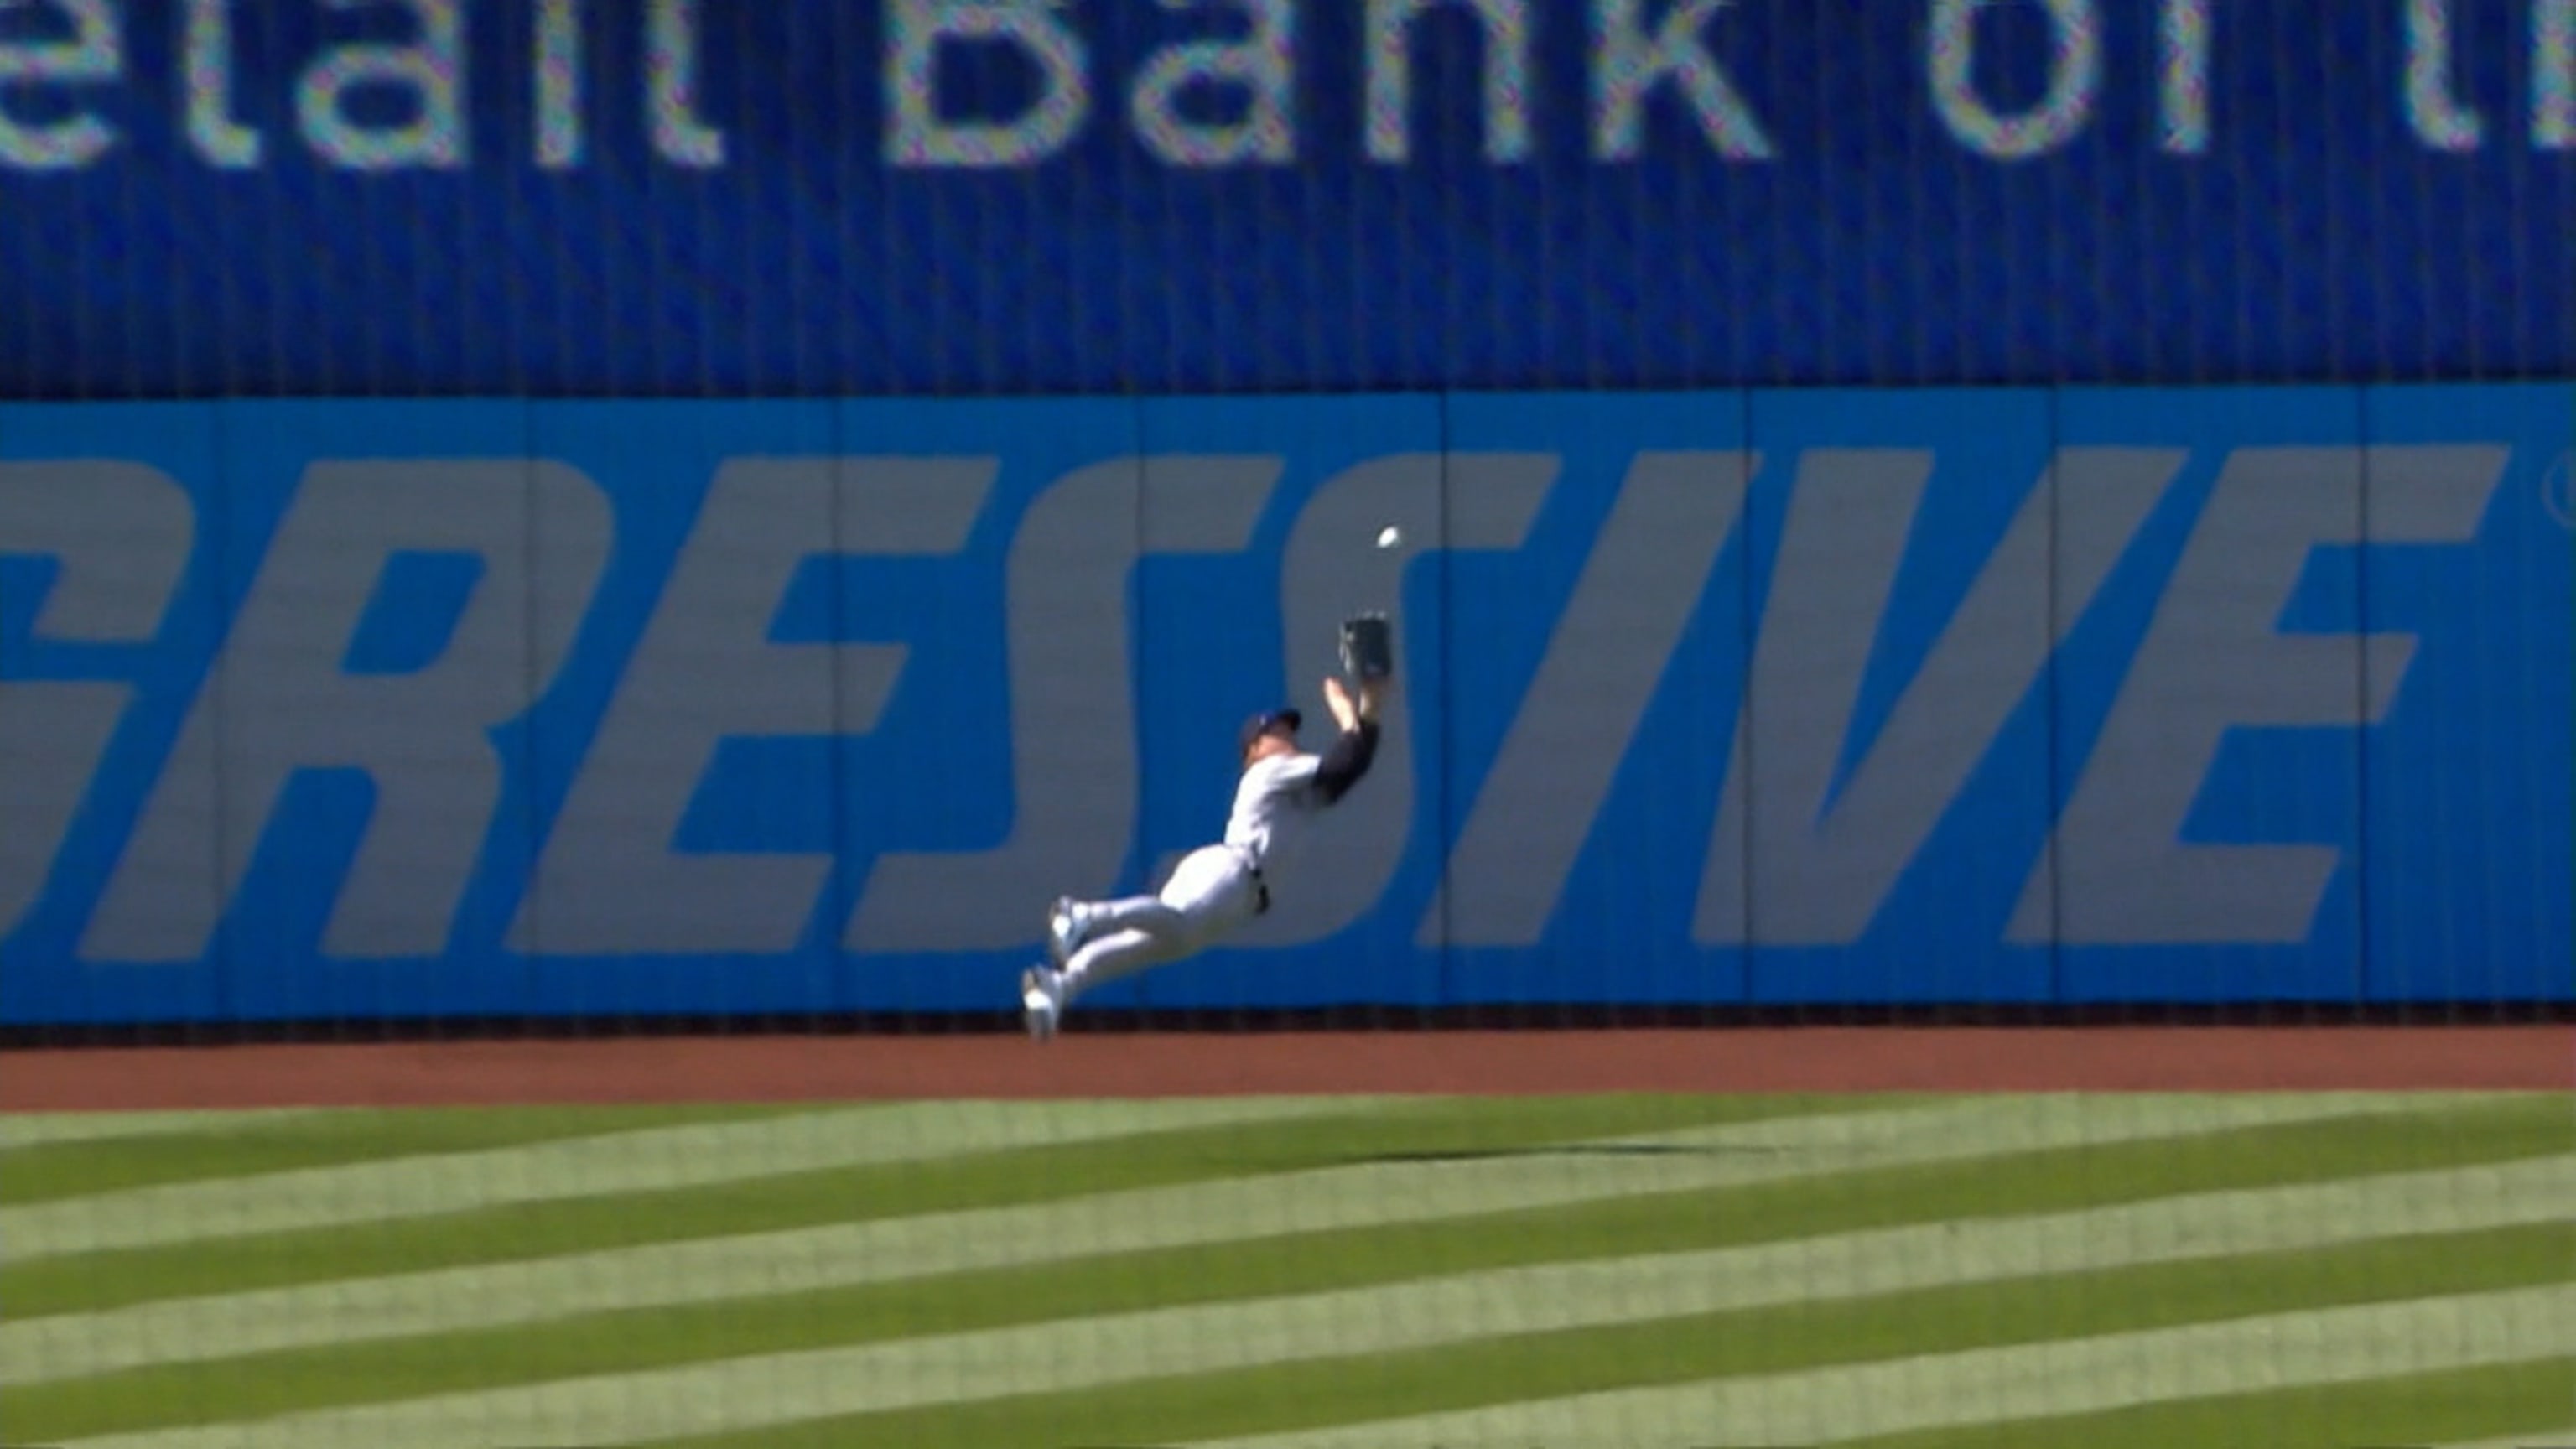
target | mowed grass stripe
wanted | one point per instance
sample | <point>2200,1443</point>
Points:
<point>2417,1408</point>
<point>1206,1372</point>
<point>1394,1313</point>
<point>544,1219</point>
<point>1842,1396</point>
<point>653,1159</point>
<point>2378,1134</point>
<point>36,1129</point>
<point>1384,1187</point>
<point>2561,1430</point>
<point>785,1317</point>
<point>216,1150</point>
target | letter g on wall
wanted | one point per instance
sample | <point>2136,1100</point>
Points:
<point>122,534</point>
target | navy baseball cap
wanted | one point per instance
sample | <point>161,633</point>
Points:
<point>1282,722</point>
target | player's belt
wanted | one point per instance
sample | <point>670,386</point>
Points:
<point>1260,887</point>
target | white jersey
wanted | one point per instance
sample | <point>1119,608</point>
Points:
<point>1274,804</point>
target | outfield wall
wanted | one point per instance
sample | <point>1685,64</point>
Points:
<point>350,709</point>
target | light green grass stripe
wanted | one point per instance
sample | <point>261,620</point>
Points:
<point>37,1129</point>
<point>2315,1346</point>
<point>643,1161</point>
<point>1351,1130</point>
<point>2405,1410</point>
<point>1557,1300</point>
<point>215,1151</point>
<point>806,1401</point>
<point>2562,1419</point>
<point>1790,1338</point>
<point>2019,1184</point>
<point>1142,1229</point>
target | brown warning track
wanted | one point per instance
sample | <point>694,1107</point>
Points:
<point>845,1068</point>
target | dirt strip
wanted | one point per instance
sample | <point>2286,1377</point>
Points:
<point>845,1068</point>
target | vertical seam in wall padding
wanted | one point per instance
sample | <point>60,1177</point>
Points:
<point>1444,617</point>
<point>2361,872</point>
<point>219,538</point>
<point>1430,753</point>
<point>1740,728</point>
<point>841,978</point>
<point>533,574</point>
<point>2051,686</point>
<point>1138,661</point>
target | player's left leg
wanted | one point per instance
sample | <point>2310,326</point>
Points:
<point>1046,991</point>
<point>1070,922</point>
<point>1210,893</point>
<point>1208,882</point>
<point>1123,953</point>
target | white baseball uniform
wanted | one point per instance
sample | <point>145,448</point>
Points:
<point>1216,889</point>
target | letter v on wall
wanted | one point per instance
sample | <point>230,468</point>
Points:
<point>1808,842</point>
<point>1640,589</point>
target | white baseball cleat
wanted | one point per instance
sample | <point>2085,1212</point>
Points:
<point>1041,1001</point>
<point>1064,930</point>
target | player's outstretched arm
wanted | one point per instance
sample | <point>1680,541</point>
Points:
<point>1350,756</point>
<point>1351,713</point>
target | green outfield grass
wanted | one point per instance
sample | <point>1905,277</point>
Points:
<point>2322,1270</point>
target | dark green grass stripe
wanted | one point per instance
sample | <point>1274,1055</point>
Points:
<point>49,1172</point>
<point>1321,1393</point>
<point>2055,1180</point>
<point>2537,1398</point>
<point>1431,1128</point>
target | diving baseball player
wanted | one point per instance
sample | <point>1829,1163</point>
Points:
<point>1217,889</point>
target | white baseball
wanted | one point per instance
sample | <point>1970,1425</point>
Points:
<point>1389,536</point>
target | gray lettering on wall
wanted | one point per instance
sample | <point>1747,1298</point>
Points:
<point>1848,518</point>
<point>1822,860</point>
<point>919,134</point>
<point>1644,581</point>
<point>91,57</point>
<point>2214,660</point>
<point>1073,722</point>
<point>431,68</point>
<point>1451,501</point>
<point>2184,29</point>
<point>2439,118</point>
<point>279,703</point>
<point>1627,66</point>
<point>2048,124</point>
<point>1259,69</point>
<point>1504,45</point>
<point>610,881</point>
<point>2553,75</point>
<point>1250,62</point>
<point>123,534</point>
<point>218,136</point>
<point>681,135</point>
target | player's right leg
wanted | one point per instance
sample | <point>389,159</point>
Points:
<point>1206,882</point>
<point>1096,941</point>
<point>1045,991</point>
<point>1070,922</point>
<point>1121,953</point>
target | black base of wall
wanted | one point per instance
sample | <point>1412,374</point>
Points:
<point>1345,1018</point>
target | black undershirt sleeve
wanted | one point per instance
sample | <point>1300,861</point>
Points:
<point>1342,766</point>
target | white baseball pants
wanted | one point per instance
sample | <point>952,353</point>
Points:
<point>1211,894</point>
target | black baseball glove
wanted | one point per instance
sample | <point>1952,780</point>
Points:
<point>1368,647</point>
